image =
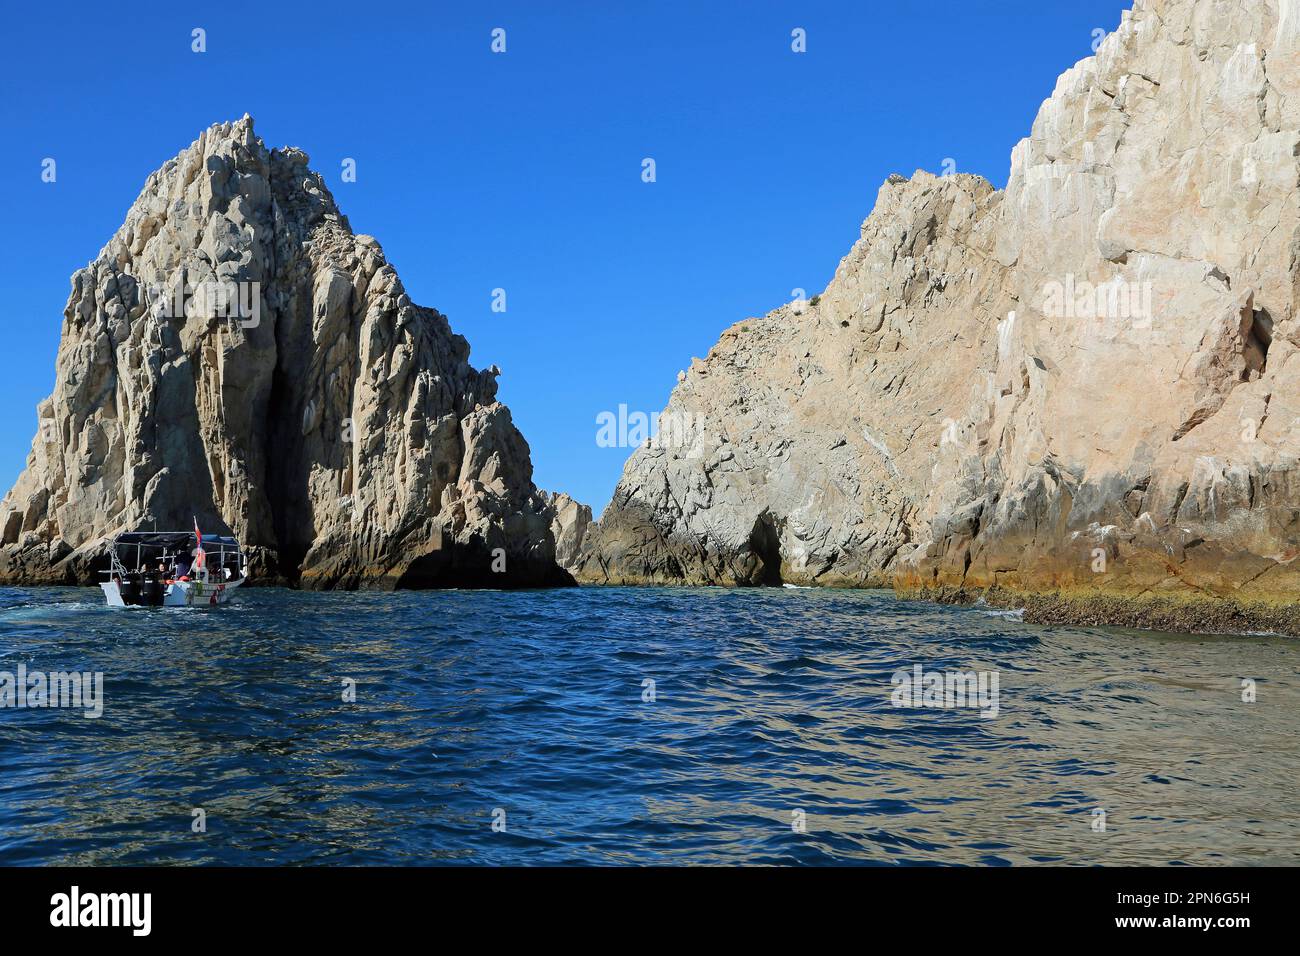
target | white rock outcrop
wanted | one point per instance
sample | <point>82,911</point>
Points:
<point>315,412</point>
<point>1085,383</point>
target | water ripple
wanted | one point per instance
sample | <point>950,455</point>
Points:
<point>636,726</point>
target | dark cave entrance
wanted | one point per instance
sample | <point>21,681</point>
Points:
<point>765,546</point>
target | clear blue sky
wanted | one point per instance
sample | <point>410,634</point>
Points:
<point>523,170</point>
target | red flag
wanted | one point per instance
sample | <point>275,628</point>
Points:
<point>199,555</point>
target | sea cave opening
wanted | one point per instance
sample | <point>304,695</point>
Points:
<point>765,545</point>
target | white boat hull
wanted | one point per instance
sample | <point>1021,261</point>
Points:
<point>181,593</point>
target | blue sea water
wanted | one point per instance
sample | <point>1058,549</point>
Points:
<point>770,736</point>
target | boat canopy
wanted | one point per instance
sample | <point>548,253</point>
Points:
<point>175,541</point>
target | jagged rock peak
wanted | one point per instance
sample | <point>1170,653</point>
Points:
<point>236,353</point>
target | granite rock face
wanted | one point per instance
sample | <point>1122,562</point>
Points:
<point>1086,383</point>
<point>569,523</point>
<point>236,354</point>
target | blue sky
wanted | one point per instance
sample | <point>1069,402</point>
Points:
<point>522,170</point>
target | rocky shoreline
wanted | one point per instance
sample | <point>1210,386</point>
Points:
<point>1170,614</point>
<point>1173,614</point>
<point>1079,394</point>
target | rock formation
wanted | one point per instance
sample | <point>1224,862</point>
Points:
<point>1084,386</point>
<point>236,354</point>
<point>569,525</point>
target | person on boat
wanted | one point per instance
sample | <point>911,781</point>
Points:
<point>180,568</point>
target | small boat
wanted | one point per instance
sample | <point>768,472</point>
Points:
<point>173,569</point>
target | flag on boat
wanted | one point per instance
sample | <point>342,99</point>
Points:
<point>198,548</point>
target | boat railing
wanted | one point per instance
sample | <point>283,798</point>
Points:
<point>119,571</point>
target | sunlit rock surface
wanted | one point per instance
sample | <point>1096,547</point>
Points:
<point>1083,384</point>
<point>318,414</point>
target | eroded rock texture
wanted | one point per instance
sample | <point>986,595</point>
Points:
<point>322,417</point>
<point>569,524</point>
<point>1087,382</point>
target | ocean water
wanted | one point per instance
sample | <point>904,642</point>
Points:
<point>522,728</point>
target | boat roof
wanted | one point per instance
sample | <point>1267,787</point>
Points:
<point>175,539</point>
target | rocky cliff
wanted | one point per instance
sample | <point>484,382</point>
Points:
<point>569,524</point>
<point>236,354</point>
<point>1079,393</point>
